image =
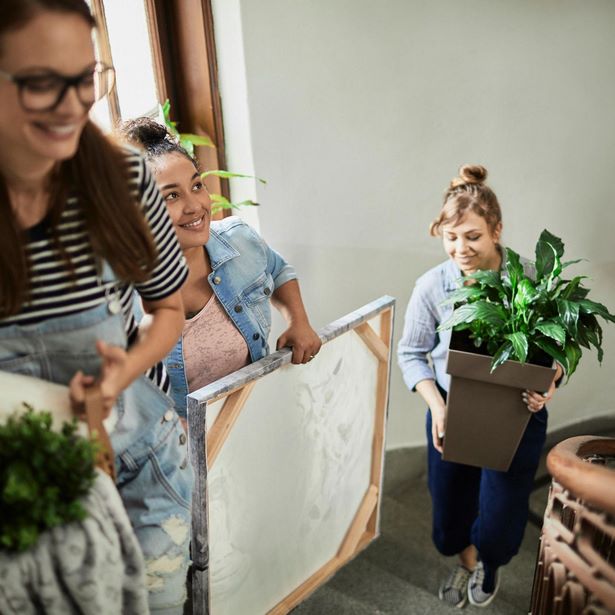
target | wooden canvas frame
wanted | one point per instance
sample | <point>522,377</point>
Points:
<point>235,390</point>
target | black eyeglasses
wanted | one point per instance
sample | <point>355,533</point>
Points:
<point>43,91</point>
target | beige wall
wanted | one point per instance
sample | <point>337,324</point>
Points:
<point>361,111</point>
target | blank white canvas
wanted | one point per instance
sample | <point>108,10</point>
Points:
<point>290,477</point>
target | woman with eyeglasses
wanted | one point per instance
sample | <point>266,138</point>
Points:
<point>83,224</point>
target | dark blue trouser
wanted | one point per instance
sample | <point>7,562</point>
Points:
<point>486,508</point>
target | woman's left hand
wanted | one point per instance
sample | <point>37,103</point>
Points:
<point>303,340</point>
<point>537,401</point>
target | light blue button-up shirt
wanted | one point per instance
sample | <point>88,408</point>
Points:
<point>420,340</point>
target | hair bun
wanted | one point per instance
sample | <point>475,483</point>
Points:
<point>470,174</point>
<point>146,131</point>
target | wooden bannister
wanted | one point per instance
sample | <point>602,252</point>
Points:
<point>575,569</point>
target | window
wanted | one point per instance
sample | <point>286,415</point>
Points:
<point>162,50</point>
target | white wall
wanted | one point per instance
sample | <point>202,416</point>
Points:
<point>361,111</point>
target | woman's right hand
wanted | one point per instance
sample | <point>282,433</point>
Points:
<point>111,381</point>
<point>428,390</point>
<point>76,390</point>
<point>438,416</point>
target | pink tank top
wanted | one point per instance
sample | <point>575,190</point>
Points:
<point>213,346</point>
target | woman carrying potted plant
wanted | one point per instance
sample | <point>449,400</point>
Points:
<point>83,224</point>
<point>479,515</point>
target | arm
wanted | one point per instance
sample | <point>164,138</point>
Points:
<point>299,336</point>
<point>428,390</point>
<point>418,339</point>
<point>120,367</point>
<point>161,299</point>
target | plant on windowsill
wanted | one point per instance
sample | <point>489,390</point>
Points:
<point>508,328</point>
<point>188,141</point>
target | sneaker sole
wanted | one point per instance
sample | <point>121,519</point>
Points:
<point>459,605</point>
<point>489,600</point>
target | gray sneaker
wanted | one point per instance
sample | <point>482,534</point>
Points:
<point>476,594</point>
<point>454,590</point>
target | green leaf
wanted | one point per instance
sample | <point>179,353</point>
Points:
<point>502,354</point>
<point>43,474</point>
<point>520,345</point>
<point>463,294</point>
<point>556,242</point>
<point>229,175</point>
<point>246,203</point>
<point>553,330</point>
<point>219,199</point>
<point>574,262</point>
<point>525,293</point>
<point>573,354</point>
<point>553,350</point>
<point>514,268</point>
<point>487,277</point>
<point>232,205</point>
<point>196,139</point>
<point>594,337</point>
<point>166,114</point>
<point>188,146</point>
<point>569,313</point>
<point>166,108</point>
<point>546,257</point>
<point>593,307</point>
<point>480,310</point>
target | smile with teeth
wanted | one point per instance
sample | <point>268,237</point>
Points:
<point>61,130</point>
<point>193,224</point>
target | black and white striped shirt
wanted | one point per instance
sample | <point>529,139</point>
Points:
<point>56,291</point>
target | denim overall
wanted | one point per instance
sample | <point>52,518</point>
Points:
<point>154,477</point>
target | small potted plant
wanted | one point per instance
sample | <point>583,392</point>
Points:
<point>59,513</point>
<point>508,329</point>
<point>44,476</point>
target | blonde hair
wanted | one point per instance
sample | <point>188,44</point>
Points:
<point>468,192</point>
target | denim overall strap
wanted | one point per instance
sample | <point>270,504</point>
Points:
<point>55,349</point>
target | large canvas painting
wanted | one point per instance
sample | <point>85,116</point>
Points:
<point>289,462</point>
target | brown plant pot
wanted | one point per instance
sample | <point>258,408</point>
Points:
<point>486,416</point>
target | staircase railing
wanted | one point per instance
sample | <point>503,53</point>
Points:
<point>575,570</point>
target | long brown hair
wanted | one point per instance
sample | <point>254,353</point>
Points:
<point>97,175</point>
<point>468,192</point>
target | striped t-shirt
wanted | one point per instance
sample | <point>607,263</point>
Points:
<point>56,291</point>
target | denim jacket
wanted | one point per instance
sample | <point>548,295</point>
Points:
<point>245,273</point>
<point>420,339</point>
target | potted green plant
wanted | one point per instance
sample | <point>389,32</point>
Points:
<point>508,329</point>
<point>44,476</point>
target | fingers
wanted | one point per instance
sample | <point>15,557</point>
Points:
<point>437,436</point>
<point>534,401</point>
<point>281,342</point>
<point>437,430</point>
<point>302,355</point>
<point>76,389</point>
<point>303,351</point>
<point>110,354</point>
